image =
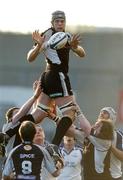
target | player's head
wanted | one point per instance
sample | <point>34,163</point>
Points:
<point>104,129</point>
<point>69,141</point>
<point>58,20</point>
<point>10,113</point>
<point>108,113</point>
<point>27,131</point>
<point>39,136</point>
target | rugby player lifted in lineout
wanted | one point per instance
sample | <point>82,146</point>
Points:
<point>55,80</point>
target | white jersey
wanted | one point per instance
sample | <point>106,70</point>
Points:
<point>46,175</point>
<point>101,148</point>
<point>115,164</point>
<point>73,166</point>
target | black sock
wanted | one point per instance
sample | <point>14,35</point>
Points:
<point>61,129</point>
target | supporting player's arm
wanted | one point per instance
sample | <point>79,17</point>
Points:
<point>118,153</point>
<point>28,104</point>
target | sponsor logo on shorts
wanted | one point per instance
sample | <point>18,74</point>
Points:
<point>55,94</point>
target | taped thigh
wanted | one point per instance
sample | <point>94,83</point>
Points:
<point>43,108</point>
<point>70,106</point>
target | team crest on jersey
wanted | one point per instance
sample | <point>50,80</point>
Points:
<point>27,147</point>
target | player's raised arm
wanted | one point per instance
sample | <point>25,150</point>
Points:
<point>39,40</point>
<point>75,45</point>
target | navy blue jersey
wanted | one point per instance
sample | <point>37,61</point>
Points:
<point>26,161</point>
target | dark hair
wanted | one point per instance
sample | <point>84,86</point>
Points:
<point>9,113</point>
<point>27,131</point>
<point>106,131</point>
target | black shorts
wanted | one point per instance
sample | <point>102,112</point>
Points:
<point>56,84</point>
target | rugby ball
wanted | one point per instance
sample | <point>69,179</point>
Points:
<point>58,40</point>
